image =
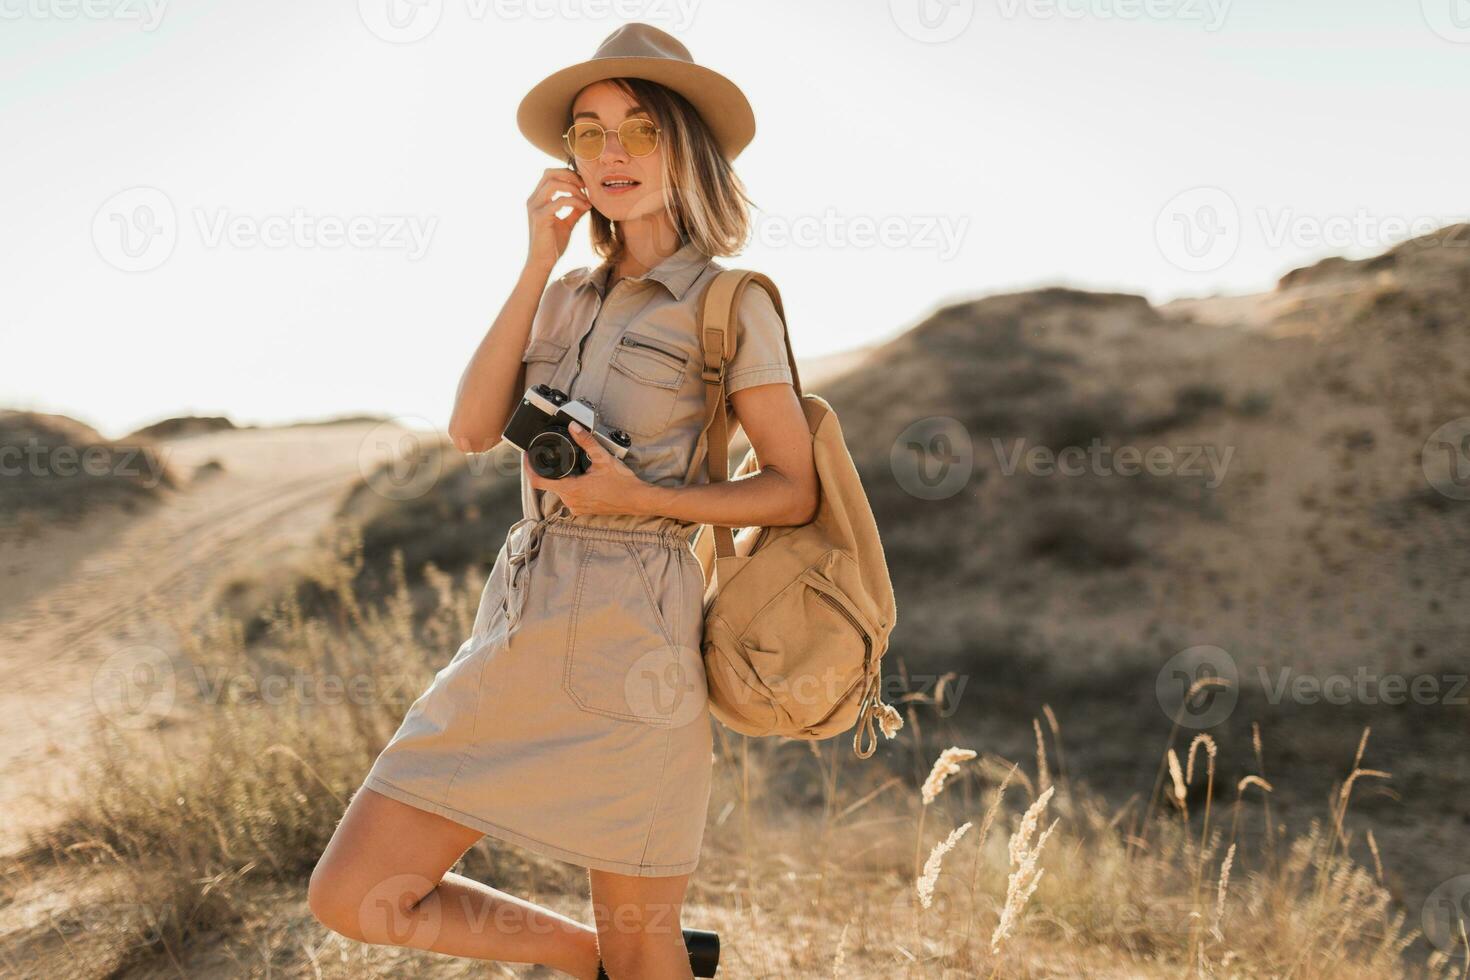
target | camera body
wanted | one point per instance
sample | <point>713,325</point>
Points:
<point>539,426</point>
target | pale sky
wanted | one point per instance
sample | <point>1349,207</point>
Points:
<point>178,176</point>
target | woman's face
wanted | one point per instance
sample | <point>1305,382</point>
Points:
<point>608,105</point>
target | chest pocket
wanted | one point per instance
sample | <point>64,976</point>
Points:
<point>541,358</point>
<point>643,380</point>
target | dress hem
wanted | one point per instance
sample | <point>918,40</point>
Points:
<point>380,785</point>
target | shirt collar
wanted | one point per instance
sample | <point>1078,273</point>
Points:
<point>677,272</point>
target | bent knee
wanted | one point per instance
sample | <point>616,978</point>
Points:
<point>335,903</point>
<point>384,910</point>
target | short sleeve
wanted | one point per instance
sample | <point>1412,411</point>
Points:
<point>760,351</point>
<point>554,307</point>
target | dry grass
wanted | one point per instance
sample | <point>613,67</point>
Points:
<point>197,837</point>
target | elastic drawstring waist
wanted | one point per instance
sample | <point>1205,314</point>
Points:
<point>674,537</point>
<point>518,554</point>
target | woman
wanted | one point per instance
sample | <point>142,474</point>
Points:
<point>574,720</point>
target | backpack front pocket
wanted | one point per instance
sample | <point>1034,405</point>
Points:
<point>812,649</point>
<point>643,381</point>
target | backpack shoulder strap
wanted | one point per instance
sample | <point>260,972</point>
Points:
<point>719,318</point>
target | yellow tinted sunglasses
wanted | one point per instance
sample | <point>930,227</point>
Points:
<point>586,140</point>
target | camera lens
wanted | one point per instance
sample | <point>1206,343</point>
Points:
<point>552,453</point>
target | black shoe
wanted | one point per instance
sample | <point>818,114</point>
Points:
<point>704,953</point>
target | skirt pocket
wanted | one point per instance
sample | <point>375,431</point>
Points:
<point>622,659</point>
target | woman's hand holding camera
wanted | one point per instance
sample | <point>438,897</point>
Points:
<point>607,487</point>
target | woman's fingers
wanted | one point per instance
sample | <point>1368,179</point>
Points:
<point>557,179</point>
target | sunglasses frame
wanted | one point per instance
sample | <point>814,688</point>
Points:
<point>567,137</point>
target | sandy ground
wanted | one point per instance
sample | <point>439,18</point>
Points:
<point>79,595</point>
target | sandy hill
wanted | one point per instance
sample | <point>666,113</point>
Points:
<point>1290,518</point>
<point>56,467</point>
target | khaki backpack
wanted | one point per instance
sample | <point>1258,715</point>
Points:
<point>796,618</point>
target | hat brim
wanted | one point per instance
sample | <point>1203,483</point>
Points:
<point>542,116</point>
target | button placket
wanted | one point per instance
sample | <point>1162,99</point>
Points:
<point>570,366</point>
<point>594,348</point>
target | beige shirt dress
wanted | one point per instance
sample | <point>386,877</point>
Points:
<point>574,719</point>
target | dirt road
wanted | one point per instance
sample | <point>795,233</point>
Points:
<point>79,600</point>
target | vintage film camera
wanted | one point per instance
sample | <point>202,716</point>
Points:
<point>539,426</point>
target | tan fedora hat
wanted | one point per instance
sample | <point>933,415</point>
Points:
<point>638,50</point>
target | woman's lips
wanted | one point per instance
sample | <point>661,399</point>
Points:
<point>621,188</point>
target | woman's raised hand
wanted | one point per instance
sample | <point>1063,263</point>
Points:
<point>550,234</point>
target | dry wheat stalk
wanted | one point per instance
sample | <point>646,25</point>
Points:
<point>946,765</point>
<point>936,857</point>
<point>1209,744</point>
<point>1377,862</point>
<point>1178,778</point>
<point>839,962</point>
<point>1252,781</point>
<point>1022,881</point>
<point>1043,776</point>
<point>1220,893</point>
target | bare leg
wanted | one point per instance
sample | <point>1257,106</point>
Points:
<point>638,929</point>
<point>384,878</point>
